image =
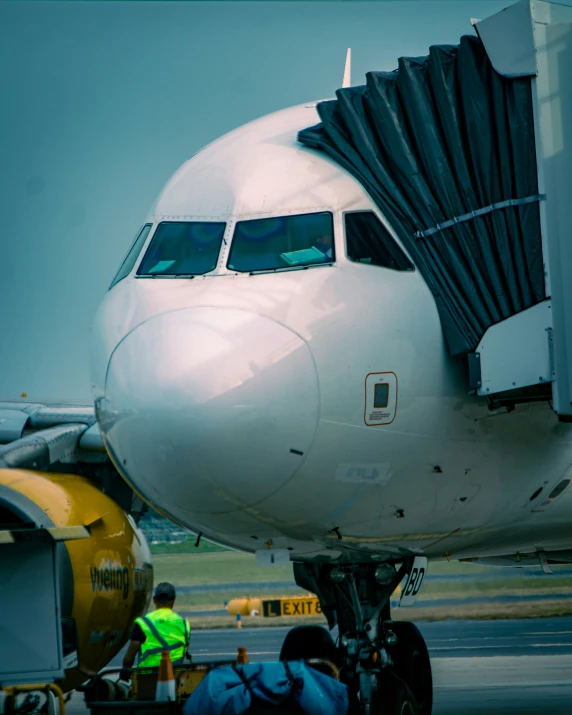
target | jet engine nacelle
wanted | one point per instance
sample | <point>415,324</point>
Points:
<point>102,576</point>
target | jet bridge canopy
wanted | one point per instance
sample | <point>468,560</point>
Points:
<point>468,152</point>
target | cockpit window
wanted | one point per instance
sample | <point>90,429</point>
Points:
<point>134,251</point>
<point>268,244</point>
<point>368,241</point>
<point>183,248</point>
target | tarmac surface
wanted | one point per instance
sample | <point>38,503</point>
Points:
<point>507,667</point>
<point>445,639</point>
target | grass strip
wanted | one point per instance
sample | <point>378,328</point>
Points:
<point>211,568</point>
<point>477,612</point>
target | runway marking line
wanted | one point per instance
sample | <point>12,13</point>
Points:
<point>250,652</point>
<point>499,646</point>
<point>520,637</point>
<point>493,686</point>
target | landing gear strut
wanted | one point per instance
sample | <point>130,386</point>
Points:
<point>385,663</point>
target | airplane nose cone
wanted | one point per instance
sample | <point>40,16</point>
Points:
<point>212,409</point>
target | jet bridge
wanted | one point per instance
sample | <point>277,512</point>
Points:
<point>468,152</point>
<point>534,39</point>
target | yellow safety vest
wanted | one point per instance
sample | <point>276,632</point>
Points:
<point>163,630</point>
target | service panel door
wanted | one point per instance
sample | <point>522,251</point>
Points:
<point>30,631</point>
<point>380,398</point>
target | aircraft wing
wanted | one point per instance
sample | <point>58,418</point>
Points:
<point>36,435</point>
<point>61,438</point>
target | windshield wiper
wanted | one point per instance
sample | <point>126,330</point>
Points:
<point>168,275</point>
<point>283,269</point>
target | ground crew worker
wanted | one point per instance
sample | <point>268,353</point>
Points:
<point>159,630</point>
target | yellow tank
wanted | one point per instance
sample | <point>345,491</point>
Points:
<point>244,606</point>
<point>106,580</point>
<point>273,606</point>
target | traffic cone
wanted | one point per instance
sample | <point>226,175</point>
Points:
<point>166,679</point>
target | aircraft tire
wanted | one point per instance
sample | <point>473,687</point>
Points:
<point>393,698</point>
<point>412,664</point>
<point>306,642</point>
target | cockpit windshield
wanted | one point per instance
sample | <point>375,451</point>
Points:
<point>288,241</point>
<point>183,248</point>
<point>131,258</point>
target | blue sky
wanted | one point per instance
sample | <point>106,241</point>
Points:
<point>102,101</point>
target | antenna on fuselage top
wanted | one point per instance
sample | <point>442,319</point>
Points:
<point>347,80</point>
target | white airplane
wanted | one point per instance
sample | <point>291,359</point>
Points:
<point>312,405</point>
<point>269,370</point>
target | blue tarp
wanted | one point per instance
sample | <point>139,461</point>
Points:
<point>231,690</point>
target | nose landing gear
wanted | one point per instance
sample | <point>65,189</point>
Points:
<point>384,663</point>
